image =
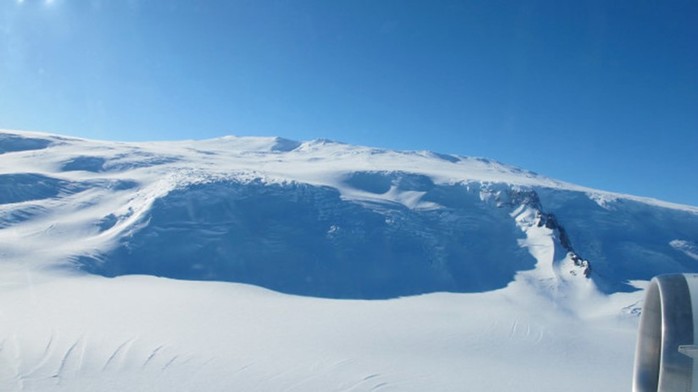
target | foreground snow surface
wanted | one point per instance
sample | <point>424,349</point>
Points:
<point>138,333</point>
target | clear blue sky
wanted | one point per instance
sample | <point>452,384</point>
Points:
<point>599,93</point>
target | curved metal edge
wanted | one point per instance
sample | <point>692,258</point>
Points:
<point>666,323</point>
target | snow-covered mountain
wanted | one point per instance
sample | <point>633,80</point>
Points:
<point>326,221</point>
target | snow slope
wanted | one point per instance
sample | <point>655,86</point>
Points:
<point>145,333</point>
<point>522,282</point>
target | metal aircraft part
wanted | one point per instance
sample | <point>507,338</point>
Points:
<point>666,344</point>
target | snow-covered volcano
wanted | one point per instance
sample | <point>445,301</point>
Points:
<point>326,221</point>
<point>322,218</point>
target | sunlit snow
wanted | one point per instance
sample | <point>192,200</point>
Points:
<point>267,264</point>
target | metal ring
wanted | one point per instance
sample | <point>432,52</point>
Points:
<point>666,344</point>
